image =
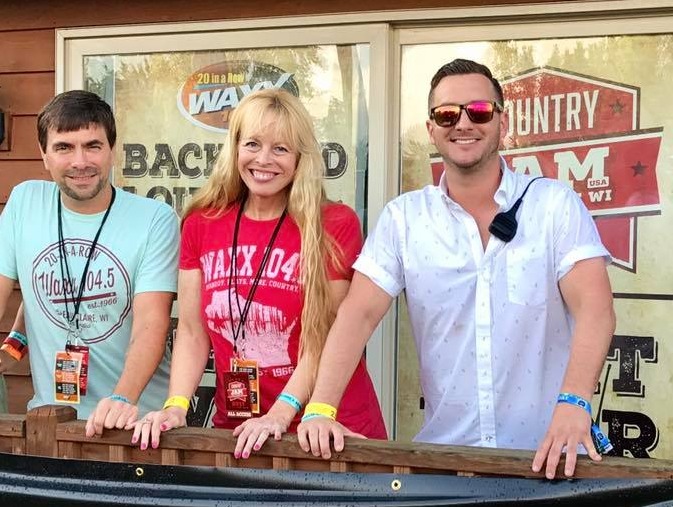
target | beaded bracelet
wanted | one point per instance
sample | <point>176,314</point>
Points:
<point>120,397</point>
<point>322,409</point>
<point>290,400</point>
<point>177,401</point>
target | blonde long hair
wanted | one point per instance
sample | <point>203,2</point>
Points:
<point>306,196</point>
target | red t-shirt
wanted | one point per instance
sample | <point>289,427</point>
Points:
<point>273,324</point>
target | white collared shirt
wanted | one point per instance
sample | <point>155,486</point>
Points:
<point>491,328</point>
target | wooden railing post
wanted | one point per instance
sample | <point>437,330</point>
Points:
<point>41,423</point>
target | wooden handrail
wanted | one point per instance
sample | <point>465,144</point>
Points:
<point>53,431</point>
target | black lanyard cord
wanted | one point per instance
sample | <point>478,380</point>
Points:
<point>233,277</point>
<point>67,282</point>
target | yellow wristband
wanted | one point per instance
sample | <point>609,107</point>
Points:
<point>177,401</point>
<point>321,409</point>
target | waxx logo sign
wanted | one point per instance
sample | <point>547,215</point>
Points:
<point>209,95</point>
<point>586,132</point>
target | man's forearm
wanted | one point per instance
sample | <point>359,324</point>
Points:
<point>590,344</point>
<point>143,357</point>
<point>586,290</point>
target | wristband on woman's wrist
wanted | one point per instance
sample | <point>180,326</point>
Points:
<point>306,417</point>
<point>290,400</point>
<point>120,397</point>
<point>177,401</point>
<point>322,409</point>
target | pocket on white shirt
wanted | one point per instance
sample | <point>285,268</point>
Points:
<point>526,277</point>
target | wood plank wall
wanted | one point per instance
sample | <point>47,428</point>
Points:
<point>26,83</point>
<point>27,47</point>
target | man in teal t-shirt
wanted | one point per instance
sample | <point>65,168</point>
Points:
<point>98,271</point>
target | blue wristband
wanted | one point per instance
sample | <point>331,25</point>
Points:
<point>119,397</point>
<point>600,440</point>
<point>20,337</point>
<point>573,399</point>
<point>290,400</point>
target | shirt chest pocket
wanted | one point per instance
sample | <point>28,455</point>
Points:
<point>526,277</point>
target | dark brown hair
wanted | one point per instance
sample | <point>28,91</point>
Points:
<point>74,110</point>
<point>460,67</point>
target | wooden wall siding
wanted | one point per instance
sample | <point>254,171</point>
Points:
<point>14,172</point>
<point>38,14</point>
<point>24,93</point>
<point>24,139</point>
<point>52,431</point>
<point>26,84</point>
<point>15,46</point>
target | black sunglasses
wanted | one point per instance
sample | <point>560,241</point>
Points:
<point>478,111</point>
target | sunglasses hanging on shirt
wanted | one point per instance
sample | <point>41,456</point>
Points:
<point>478,111</point>
<point>504,224</point>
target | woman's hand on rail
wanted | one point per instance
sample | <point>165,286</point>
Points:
<point>254,432</point>
<point>314,436</point>
<point>148,430</point>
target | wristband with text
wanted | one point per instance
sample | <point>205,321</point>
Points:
<point>177,401</point>
<point>120,397</point>
<point>600,440</point>
<point>323,409</point>
<point>573,399</point>
<point>290,400</point>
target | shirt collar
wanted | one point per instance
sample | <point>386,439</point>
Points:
<point>505,193</point>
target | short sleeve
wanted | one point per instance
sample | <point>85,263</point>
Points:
<point>575,235</point>
<point>8,222</point>
<point>158,269</point>
<point>341,223</point>
<point>189,251</point>
<point>381,257</point>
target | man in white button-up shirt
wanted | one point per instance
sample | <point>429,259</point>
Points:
<point>501,327</point>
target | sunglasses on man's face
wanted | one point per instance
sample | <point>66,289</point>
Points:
<point>478,111</point>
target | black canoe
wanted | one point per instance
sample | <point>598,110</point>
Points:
<point>35,481</point>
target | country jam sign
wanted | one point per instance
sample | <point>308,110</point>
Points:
<point>210,94</point>
<point>585,131</point>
